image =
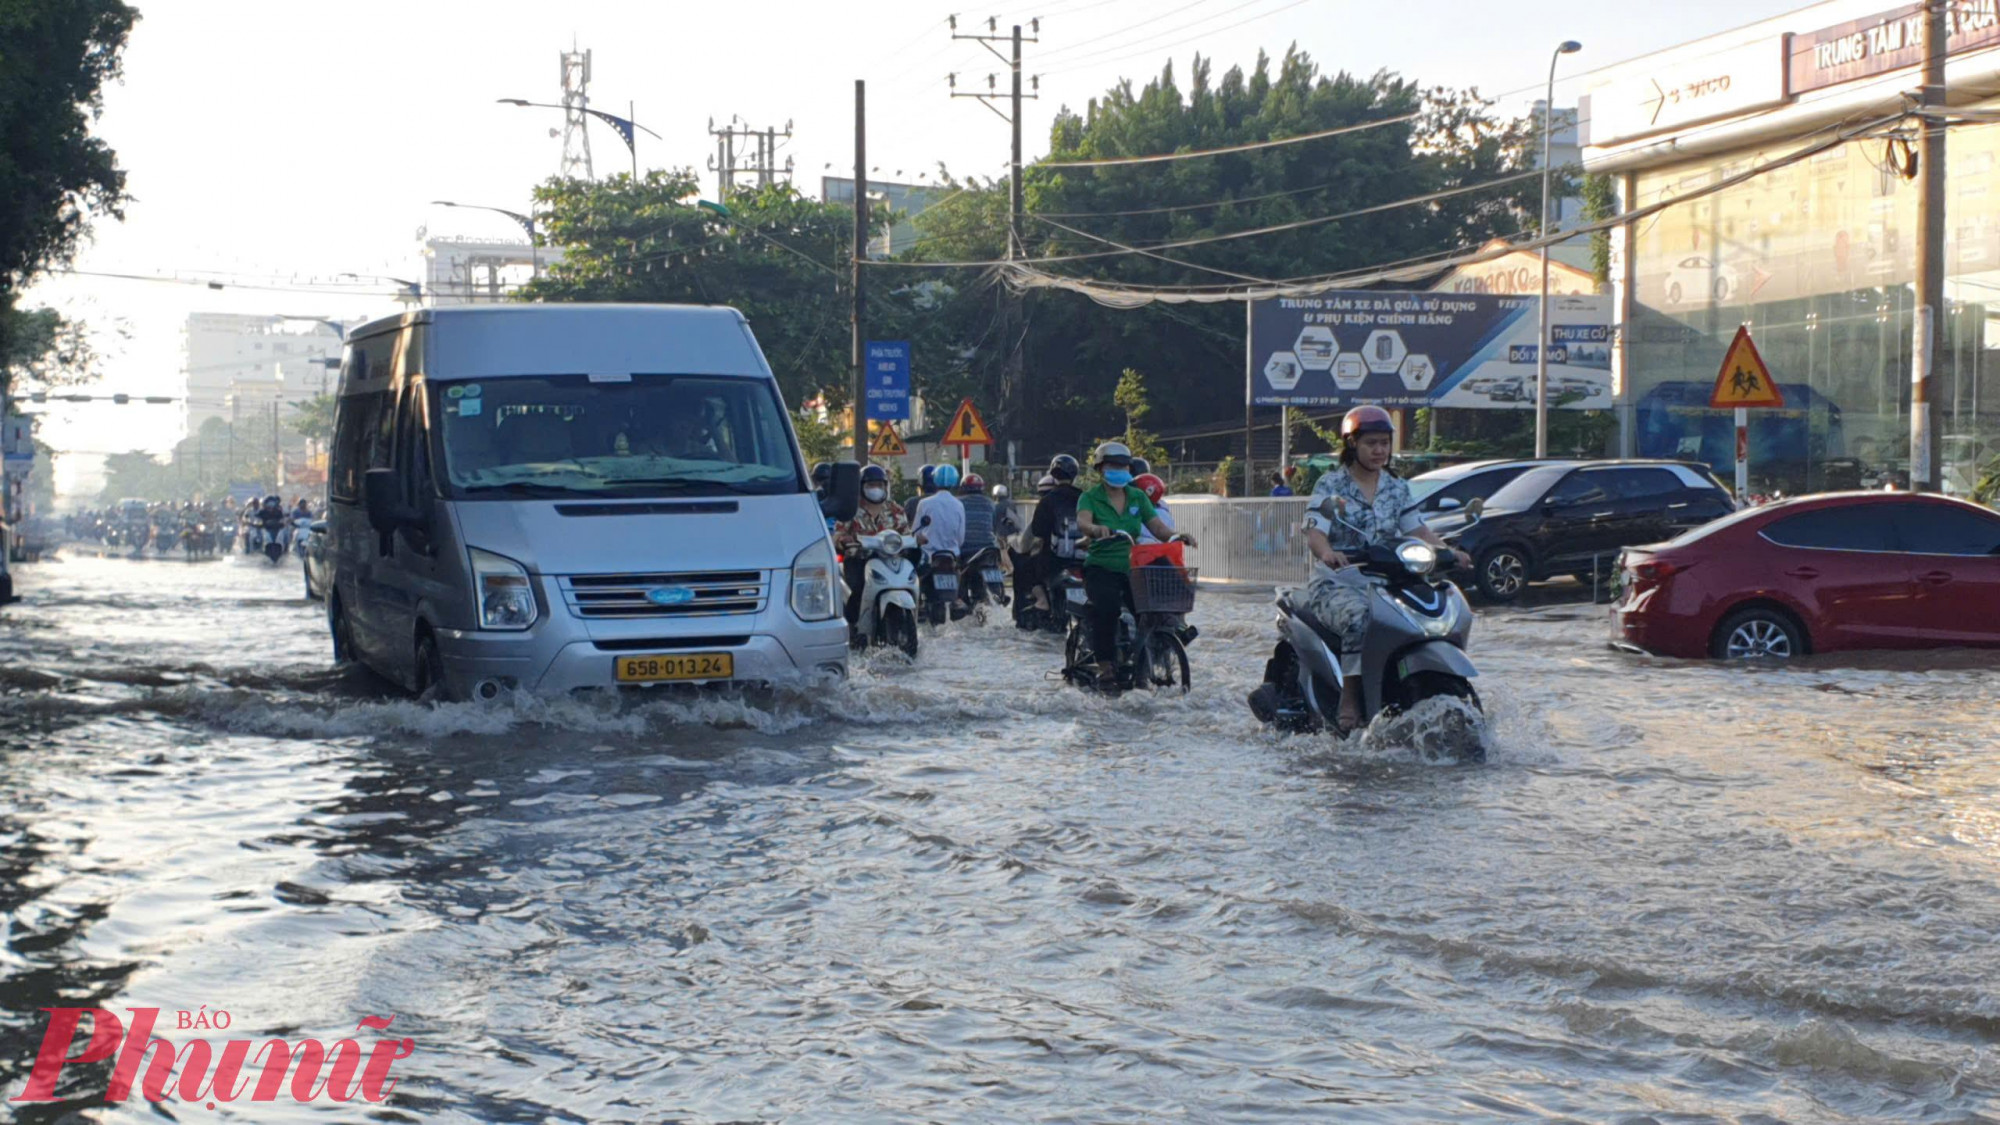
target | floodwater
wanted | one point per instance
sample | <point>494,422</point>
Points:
<point>961,892</point>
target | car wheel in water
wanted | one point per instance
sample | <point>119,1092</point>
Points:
<point>1757,634</point>
<point>1502,573</point>
<point>343,638</point>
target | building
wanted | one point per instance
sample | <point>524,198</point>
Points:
<point>1769,182</point>
<point>905,201</point>
<point>238,363</point>
<point>466,271</point>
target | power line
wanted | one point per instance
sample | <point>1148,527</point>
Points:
<point>1249,147</point>
<point>1150,254</point>
<point>1081,63</point>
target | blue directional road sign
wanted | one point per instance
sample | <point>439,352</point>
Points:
<point>888,377</point>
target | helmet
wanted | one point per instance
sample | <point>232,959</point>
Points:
<point>874,474</point>
<point>1152,486</point>
<point>1046,484</point>
<point>946,477</point>
<point>999,492</point>
<point>973,482</point>
<point>822,475</point>
<point>1365,420</point>
<point>1110,451</point>
<point>925,477</point>
<point>1141,467</point>
<point>1064,467</point>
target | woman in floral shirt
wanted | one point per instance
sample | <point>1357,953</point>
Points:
<point>875,515</point>
<point>1379,507</point>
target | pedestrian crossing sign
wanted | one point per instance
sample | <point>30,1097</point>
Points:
<point>1744,381</point>
<point>967,428</point>
<point>887,443</point>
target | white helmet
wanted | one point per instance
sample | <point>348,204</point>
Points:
<point>999,492</point>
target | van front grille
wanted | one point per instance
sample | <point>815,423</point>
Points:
<point>698,594</point>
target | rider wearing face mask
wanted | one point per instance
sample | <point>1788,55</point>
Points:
<point>875,514</point>
<point>1111,517</point>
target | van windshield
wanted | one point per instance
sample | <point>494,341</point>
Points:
<point>650,435</point>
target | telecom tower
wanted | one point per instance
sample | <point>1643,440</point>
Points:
<point>576,98</point>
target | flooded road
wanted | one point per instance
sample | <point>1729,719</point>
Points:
<point>961,892</point>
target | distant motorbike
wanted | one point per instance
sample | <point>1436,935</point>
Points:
<point>888,594</point>
<point>225,535</point>
<point>985,583</point>
<point>1413,649</point>
<point>941,593</point>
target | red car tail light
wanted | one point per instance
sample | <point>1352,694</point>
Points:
<point>1653,570</point>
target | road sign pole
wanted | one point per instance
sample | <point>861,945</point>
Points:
<point>1742,455</point>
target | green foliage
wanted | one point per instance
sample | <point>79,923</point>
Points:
<point>1130,396</point>
<point>1225,482</point>
<point>314,418</point>
<point>43,347</point>
<point>54,175</point>
<point>1600,201</point>
<point>203,464</point>
<point>1987,491</point>
<point>1071,353</point>
<point>778,257</point>
<point>819,439</point>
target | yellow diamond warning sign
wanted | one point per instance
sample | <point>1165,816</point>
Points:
<point>887,443</point>
<point>967,428</point>
<point>1744,381</point>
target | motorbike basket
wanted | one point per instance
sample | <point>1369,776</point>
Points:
<point>1163,589</point>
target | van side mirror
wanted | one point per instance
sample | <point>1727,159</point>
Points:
<point>1477,508</point>
<point>382,493</point>
<point>842,497</point>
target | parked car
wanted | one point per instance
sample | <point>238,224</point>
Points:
<point>1817,574</point>
<point>311,549</point>
<point>1696,278</point>
<point>1453,487</point>
<point>1574,518</point>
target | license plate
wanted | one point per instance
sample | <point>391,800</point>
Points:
<point>994,577</point>
<point>945,583</point>
<point>677,666</point>
<point>1077,595</point>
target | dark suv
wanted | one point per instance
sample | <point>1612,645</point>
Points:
<point>1574,518</point>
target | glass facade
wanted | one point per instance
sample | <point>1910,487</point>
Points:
<point>1819,259</point>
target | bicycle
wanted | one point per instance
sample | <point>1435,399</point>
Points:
<point>1150,654</point>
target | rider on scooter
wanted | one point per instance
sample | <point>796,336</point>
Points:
<point>1111,516</point>
<point>876,514</point>
<point>1379,507</point>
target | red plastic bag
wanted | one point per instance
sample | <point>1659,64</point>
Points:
<point>1149,554</point>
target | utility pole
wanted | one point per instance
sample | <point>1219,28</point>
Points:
<point>1929,319</point>
<point>764,164</point>
<point>858,359</point>
<point>277,458</point>
<point>1013,375</point>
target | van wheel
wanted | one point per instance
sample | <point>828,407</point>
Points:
<point>430,670</point>
<point>343,637</point>
<point>1757,633</point>
<point>1503,573</point>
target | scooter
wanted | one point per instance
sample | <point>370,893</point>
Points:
<point>985,582</point>
<point>1413,649</point>
<point>888,594</point>
<point>941,600</point>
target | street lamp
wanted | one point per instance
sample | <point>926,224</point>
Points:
<point>527,224</point>
<point>1566,47</point>
<point>624,125</point>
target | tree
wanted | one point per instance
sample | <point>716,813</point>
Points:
<point>54,175</point>
<point>313,419</point>
<point>1130,397</point>
<point>778,257</point>
<point>819,440</point>
<point>1417,141</point>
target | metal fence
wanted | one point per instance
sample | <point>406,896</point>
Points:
<point>1255,539</point>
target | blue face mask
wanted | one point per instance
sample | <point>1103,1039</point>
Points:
<point>1117,478</point>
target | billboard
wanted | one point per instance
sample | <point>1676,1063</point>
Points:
<point>1406,349</point>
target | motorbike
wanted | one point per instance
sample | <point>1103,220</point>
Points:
<point>941,593</point>
<point>985,583</point>
<point>197,540</point>
<point>225,535</point>
<point>888,594</point>
<point>1413,649</point>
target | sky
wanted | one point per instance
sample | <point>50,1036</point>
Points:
<point>286,142</point>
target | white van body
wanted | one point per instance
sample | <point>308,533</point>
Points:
<point>554,497</point>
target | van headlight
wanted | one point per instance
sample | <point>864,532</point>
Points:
<point>506,598</point>
<point>812,583</point>
<point>1416,556</point>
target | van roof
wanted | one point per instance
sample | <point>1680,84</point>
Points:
<point>495,341</point>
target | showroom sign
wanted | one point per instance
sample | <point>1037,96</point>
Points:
<point>1674,94</point>
<point>1883,42</point>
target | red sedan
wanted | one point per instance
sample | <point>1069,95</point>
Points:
<point>1817,574</point>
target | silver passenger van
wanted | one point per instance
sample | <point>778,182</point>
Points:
<point>552,497</point>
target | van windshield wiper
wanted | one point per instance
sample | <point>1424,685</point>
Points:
<point>681,483</point>
<point>528,488</point>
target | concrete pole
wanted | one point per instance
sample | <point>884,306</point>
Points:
<point>1928,320</point>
